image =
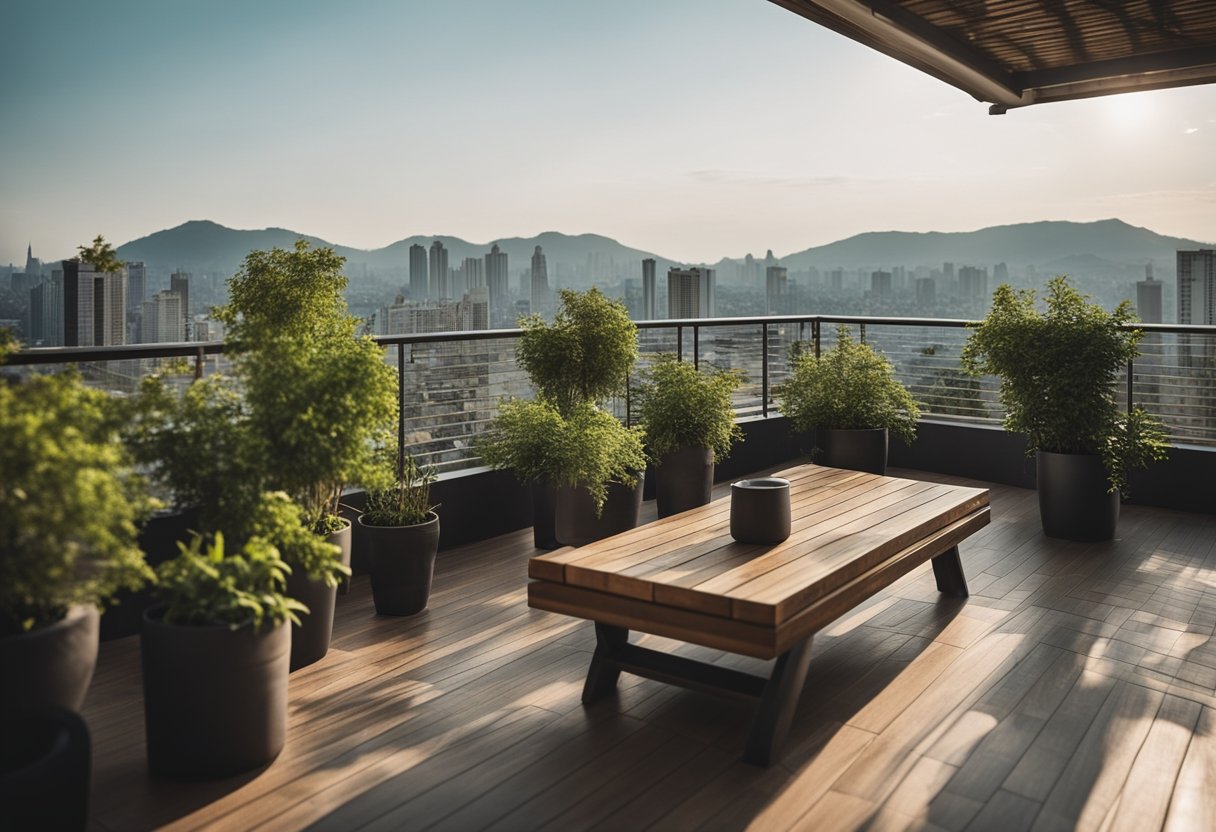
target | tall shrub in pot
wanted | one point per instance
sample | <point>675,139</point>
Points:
<point>70,507</point>
<point>402,529</point>
<point>690,423</point>
<point>1057,368</point>
<point>850,397</point>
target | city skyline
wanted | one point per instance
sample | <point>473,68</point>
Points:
<point>777,136</point>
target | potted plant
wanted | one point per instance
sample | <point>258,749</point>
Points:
<point>402,530</point>
<point>580,359</point>
<point>597,468</point>
<point>1057,368</point>
<point>520,439</point>
<point>320,397</point>
<point>70,507</point>
<point>851,398</point>
<point>690,422</point>
<point>215,660</point>
<point>199,446</point>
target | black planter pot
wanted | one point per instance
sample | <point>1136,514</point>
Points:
<point>342,539</point>
<point>403,564</point>
<point>760,510</point>
<point>50,665</point>
<point>544,507</point>
<point>310,638</point>
<point>576,523</point>
<point>215,699</point>
<point>44,770</point>
<point>1074,501</point>
<point>684,479</point>
<point>856,450</point>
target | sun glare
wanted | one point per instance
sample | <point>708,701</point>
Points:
<point>1129,111</point>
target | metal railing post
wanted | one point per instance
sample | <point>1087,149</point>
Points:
<point>815,333</point>
<point>862,327</point>
<point>628,408</point>
<point>401,408</point>
<point>198,364</point>
<point>696,347</point>
<point>679,343</point>
<point>764,370</point>
<point>1131,367</point>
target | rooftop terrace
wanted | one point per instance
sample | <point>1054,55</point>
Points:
<point>1072,689</point>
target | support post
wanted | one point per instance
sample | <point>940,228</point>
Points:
<point>777,705</point>
<point>604,670</point>
<point>948,571</point>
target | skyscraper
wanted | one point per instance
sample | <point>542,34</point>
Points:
<point>179,282</point>
<point>438,286</point>
<point>539,283</point>
<point>649,312</point>
<point>1197,286</point>
<point>690,293</point>
<point>137,277</point>
<point>418,272</point>
<point>1149,305</point>
<point>46,312</point>
<point>473,274</point>
<point>162,321</point>
<point>497,280</point>
<point>776,289</point>
<point>880,284</point>
<point>94,306</point>
<point>973,282</point>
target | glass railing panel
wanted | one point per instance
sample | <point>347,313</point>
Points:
<point>1175,379</point>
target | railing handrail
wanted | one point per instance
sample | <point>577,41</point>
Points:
<point>192,349</point>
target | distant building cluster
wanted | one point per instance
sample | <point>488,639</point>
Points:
<point>440,298</point>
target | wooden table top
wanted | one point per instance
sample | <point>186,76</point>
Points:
<point>843,525</point>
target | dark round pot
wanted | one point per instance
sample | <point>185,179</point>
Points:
<point>576,523</point>
<point>760,510</point>
<point>544,506</point>
<point>403,564</point>
<point>856,450</point>
<point>310,638</point>
<point>684,479</point>
<point>342,539</point>
<point>215,699</point>
<point>44,770</point>
<point>50,665</point>
<point>1074,501</point>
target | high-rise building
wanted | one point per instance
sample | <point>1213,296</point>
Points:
<point>690,293</point>
<point>497,282</point>
<point>1149,304</point>
<point>438,288</point>
<point>418,272</point>
<point>973,282</point>
<point>179,282</point>
<point>880,284</point>
<point>836,280</point>
<point>162,321</point>
<point>94,306</point>
<point>473,274</point>
<point>539,281</point>
<point>776,285</point>
<point>649,311</point>
<point>1197,286</point>
<point>137,282</point>
<point>926,291</point>
<point>475,309</point>
<point>46,312</point>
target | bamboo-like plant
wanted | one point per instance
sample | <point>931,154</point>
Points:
<point>406,501</point>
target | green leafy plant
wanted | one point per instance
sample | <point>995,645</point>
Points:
<point>1057,369</point>
<point>70,502</point>
<point>319,397</point>
<point>279,521</point>
<point>592,449</point>
<point>520,438</point>
<point>101,256</point>
<point>585,355</point>
<point>406,501</point>
<point>683,407</point>
<point>204,585</point>
<point>850,387</point>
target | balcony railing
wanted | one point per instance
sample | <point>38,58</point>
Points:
<point>451,382</point>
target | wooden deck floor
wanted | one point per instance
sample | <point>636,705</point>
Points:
<point>1073,689</point>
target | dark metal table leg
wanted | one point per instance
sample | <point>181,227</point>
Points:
<point>604,670</point>
<point>948,570</point>
<point>777,705</point>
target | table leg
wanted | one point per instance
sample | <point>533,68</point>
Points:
<point>777,705</point>
<point>948,570</point>
<point>604,670</point>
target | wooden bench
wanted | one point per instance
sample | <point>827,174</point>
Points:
<point>684,577</point>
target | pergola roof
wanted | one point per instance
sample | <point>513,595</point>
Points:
<point>1014,53</point>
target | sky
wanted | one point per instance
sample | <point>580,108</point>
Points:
<point>696,129</point>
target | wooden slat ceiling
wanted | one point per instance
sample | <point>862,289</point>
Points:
<point>1013,53</point>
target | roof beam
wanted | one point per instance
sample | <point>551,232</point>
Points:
<point>1201,56</point>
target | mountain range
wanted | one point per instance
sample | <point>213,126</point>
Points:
<point>1087,247</point>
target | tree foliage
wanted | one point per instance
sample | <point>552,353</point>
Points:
<point>101,255</point>
<point>406,500</point>
<point>850,387</point>
<point>585,355</point>
<point>1057,370</point>
<point>70,502</point>
<point>684,407</point>
<point>592,448</point>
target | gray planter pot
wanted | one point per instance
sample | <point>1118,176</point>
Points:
<point>310,638</point>
<point>856,450</point>
<point>342,539</point>
<point>215,699</point>
<point>403,565</point>
<point>44,770</point>
<point>684,479</point>
<point>50,665</point>
<point>576,523</point>
<point>1074,501</point>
